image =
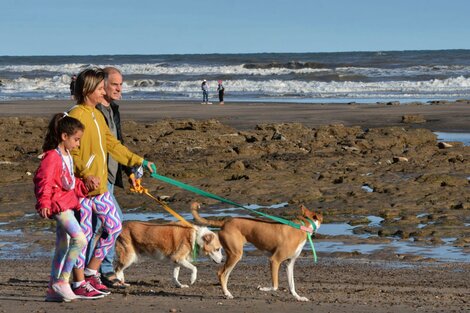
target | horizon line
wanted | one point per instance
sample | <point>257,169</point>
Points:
<point>229,53</point>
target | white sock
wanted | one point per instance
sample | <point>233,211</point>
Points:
<point>77,284</point>
<point>89,272</point>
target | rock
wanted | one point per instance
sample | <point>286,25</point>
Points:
<point>444,145</point>
<point>278,136</point>
<point>442,180</point>
<point>437,102</point>
<point>351,149</point>
<point>400,159</point>
<point>412,119</point>
<point>236,165</point>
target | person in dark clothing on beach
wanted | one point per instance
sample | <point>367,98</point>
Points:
<point>221,90</point>
<point>205,92</point>
<point>72,85</point>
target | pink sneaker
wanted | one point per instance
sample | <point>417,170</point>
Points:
<point>64,290</point>
<point>86,291</point>
<point>95,281</point>
<point>52,296</point>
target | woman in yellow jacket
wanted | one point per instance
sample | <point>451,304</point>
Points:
<point>91,165</point>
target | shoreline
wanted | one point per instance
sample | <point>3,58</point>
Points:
<point>444,117</point>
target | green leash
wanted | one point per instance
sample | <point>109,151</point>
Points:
<point>309,236</point>
<point>216,197</point>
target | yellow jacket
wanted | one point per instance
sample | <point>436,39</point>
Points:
<point>90,158</point>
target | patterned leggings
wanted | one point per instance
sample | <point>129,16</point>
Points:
<point>103,206</point>
<point>70,241</point>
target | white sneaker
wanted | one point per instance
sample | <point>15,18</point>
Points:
<point>65,291</point>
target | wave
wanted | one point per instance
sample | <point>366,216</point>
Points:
<point>293,65</point>
<point>256,69</point>
<point>158,69</point>
<point>58,87</point>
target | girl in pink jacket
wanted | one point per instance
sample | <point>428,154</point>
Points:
<point>58,191</point>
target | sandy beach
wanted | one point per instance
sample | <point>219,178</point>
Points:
<point>320,155</point>
<point>447,116</point>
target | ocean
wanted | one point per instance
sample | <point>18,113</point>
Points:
<point>368,77</point>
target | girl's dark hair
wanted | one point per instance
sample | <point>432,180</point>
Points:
<point>86,83</point>
<point>59,124</point>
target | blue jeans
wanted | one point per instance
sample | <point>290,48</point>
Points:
<point>205,96</point>
<point>107,264</point>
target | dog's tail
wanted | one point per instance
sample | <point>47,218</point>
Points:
<point>201,220</point>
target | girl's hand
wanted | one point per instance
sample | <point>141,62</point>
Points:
<point>45,213</point>
<point>92,182</point>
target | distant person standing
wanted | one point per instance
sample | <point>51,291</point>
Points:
<point>221,90</point>
<point>72,86</point>
<point>205,92</point>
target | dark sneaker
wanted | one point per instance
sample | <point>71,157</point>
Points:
<point>110,280</point>
<point>95,282</point>
<point>86,291</point>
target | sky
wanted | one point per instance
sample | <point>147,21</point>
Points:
<point>95,27</point>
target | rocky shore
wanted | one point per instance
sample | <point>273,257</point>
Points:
<point>416,185</point>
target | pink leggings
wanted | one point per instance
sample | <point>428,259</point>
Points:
<point>103,206</point>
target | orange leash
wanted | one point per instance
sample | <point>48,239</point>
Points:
<point>140,189</point>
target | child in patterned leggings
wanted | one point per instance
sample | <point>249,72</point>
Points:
<point>57,191</point>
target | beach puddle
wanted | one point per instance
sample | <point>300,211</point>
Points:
<point>14,250</point>
<point>167,217</point>
<point>339,237</point>
<point>10,232</point>
<point>445,253</point>
<point>448,137</point>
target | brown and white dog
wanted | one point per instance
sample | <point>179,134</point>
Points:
<point>283,242</point>
<point>173,241</point>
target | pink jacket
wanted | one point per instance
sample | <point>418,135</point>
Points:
<point>48,185</point>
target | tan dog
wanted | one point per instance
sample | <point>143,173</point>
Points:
<point>283,242</point>
<point>173,240</point>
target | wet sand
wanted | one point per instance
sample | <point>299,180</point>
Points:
<point>447,116</point>
<point>339,282</point>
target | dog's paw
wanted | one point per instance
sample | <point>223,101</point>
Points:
<point>303,299</point>
<point>266,288</point>
<point>228,295</point>
<point>184,286</point>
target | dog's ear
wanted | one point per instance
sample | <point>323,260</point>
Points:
<point>208,237</point>
<point>318,217</point>
<point>304,209</point>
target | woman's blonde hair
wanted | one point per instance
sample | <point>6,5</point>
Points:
<point>87,82</point>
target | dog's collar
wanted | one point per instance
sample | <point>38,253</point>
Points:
<point>309,237</point>
<point>195,251</point>
<point>312,223</point>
